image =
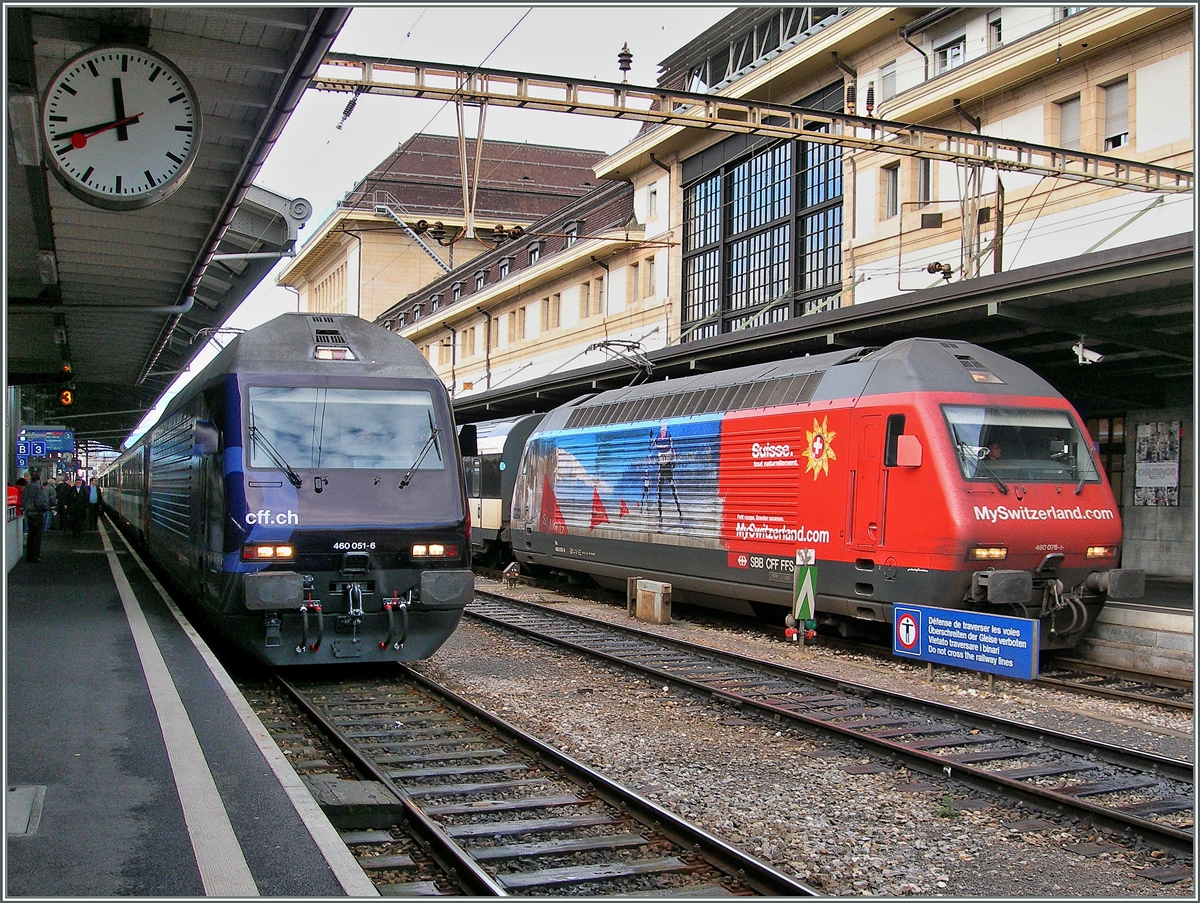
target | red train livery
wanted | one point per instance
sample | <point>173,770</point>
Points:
<point>928,472</point>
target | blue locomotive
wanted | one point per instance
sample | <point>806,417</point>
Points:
<point>306,491</point>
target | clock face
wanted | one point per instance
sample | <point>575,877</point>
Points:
<point>121,126</point>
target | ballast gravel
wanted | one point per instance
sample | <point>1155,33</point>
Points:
<point>841,819</point>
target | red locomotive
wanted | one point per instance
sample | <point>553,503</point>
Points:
<point>928,472</point>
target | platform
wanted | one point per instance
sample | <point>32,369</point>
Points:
<point>133,765</point>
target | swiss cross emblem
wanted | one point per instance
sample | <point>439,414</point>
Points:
<point>819,451</point>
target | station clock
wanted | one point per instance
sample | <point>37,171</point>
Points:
<point>121,126</point>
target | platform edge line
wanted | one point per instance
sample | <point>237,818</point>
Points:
<point>218,854</point>
<point>337,855</point>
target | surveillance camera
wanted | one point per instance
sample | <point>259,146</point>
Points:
<point>1086,355</point>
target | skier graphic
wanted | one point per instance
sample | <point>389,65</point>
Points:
<point>662,448</point>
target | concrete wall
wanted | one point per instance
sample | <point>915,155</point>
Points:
<point>1161,540</point>
<point>1146,640</point>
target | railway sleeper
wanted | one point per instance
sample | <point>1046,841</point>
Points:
<point>585,874</point>
<point>602,842</point>
<point>530,826</point>
<point>484,806</point>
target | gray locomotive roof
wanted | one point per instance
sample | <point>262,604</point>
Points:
<point>291,339</point>
<point>287,345</point>
<point>910,365</point>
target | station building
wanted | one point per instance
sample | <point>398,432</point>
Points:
<point>404,224</point>
<point>699,236</point>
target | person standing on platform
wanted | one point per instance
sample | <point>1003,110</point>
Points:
<point>21,484</point>
<point>93,504</point>
<point>33,501</point>
<point>51,504</point>
<point>66,495</point>
<point>79,507</point>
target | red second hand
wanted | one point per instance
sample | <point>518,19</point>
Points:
<point>79,139</point>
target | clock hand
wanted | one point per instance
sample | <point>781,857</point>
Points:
<point>79,137</point>
<point>119,109</point>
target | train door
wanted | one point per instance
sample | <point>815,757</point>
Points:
<point>211,522</point>
<point>866,514</point>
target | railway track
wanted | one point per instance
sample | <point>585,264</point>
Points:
<point>489,810</point>
<point>1093,680</point>
<point>1056,671</point>
<point>1147,796</point>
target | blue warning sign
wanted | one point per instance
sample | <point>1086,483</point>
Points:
<point>994,644</point>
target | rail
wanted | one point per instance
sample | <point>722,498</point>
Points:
<point>1049,769</point>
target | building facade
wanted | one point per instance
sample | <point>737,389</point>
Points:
<point>719,232</point>
<point>431,205</point>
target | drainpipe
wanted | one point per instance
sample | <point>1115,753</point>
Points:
<point>453,357</point>
<point>904,38</point>
<point>487,346</point>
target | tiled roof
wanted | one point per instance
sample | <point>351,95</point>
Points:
<point>523,181</point>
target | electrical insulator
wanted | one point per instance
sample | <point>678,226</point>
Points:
<point>625,61</point>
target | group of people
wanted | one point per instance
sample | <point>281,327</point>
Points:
<point>76,502</point>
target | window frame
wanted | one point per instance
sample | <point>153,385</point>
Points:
<point>944,56</point>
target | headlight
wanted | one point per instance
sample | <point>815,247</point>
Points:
<point>434,550</point>
<point>264,552</point>
<point>987,553</point>
<point>1102,551</point>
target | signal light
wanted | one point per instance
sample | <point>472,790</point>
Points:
<point>265,552</point>
<point>987,553</point>
<point>1102,552</point>
<point>434,550</point>
<point>66,397</point>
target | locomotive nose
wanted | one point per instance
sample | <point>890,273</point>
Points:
<point>355,564</point>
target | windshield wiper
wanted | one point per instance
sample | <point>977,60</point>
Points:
<point>980,454</point>
<point>277,459</point>
<point>431,442</point>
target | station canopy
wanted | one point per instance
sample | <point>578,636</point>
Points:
<point>125,298</point>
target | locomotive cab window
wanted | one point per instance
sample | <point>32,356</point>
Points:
<point>311,427</point>
<point>1037,446</point>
